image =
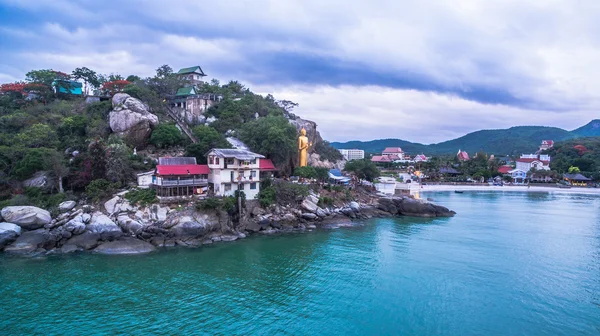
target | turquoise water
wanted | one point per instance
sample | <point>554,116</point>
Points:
<point>507,264</point>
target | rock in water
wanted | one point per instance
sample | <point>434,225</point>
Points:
<point>84,241</point>
<point>8,233</point>
<point>30,241</point>
<point>125,245</point>
<point>103,225</point>
<point>27,217</point>
<point>131,120</point>
<point>66,206</point>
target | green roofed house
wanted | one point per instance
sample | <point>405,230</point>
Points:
<point>193,74</point>
<point>186,91</point>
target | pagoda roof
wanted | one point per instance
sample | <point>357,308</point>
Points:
<point>194,69</point>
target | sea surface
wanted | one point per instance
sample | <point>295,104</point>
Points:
<point>506,264</point>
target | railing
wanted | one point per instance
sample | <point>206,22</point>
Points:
<point>185,182</point>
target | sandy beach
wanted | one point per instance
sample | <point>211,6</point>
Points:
<point>548,189</point>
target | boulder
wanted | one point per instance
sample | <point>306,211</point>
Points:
<point>9,232</point>
<point>258,211</point>
<point>101,224</point>
<point>129,225</point>
<point>309,216</point>
<point>126,245</point>
<point>31,241</point>
<point>309,204</point>
<point>253,226</point>
<point>354,206</point>
<point>417,208</point>
<point>187,226</point>
<point>40,179</point>
<point>349,212</point>
<point>131,120</point>
<point>110,205</point>
<point>66,206</point>
<point>321,213</point>
<point>289,217</point>
<point>75,226</point>
<point>27,217</point>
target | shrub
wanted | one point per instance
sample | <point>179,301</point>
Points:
<point>325,201</point>
<point>266,196</point>
<point>100,188</point>
<point>289,193</point>
<point>306,172</point>
<point>142,197</point>
<point>166,135</point>
<point>228,204</point>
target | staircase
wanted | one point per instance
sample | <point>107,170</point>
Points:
<point>182,124</point>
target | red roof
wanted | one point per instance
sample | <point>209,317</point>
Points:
<point>266,165</point>
<point>392,150</point>
<point>548,142</point>
<point>463,156</point>
<point>381,158</point>
<point>182,169</point>
<point>531,160</point>
<point>504,169</point>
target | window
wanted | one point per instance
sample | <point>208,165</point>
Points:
<point>253,186</point>
<point>211,159</point>
<point>227,187</point>
<point>253,174</point>
<point>216,160</point>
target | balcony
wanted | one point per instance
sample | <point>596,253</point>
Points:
<point>180,182</point>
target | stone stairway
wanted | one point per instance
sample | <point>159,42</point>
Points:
<point>182,125</point>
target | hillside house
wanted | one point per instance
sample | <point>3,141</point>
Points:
<point>193,75</point>
<point>236,169</point>
<point>533,161</point>
<point>179,178</point>
<point>546,144</point>
<point>67,87</point>
<point>190,106</point>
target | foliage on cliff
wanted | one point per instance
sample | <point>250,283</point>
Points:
<point>583,154</point>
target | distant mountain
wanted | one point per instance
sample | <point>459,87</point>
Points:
<point>592,129</point>
<point>511,141</point>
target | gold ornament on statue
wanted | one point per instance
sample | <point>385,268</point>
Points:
<point>303,146</point>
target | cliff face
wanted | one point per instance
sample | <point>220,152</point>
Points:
<point>314,159</point>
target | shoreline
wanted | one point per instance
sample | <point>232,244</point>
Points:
<point>548,189</point>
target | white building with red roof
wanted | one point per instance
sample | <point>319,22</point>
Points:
<point>462,156</point>
<point>396,151</point>
<point>533,161</point>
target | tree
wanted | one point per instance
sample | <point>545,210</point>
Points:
<point>38,135</point>
<point>306,172</point>
<point>164,71</point>
<point>133,78</point>
<point>364,169</point>
<point>166,135</point>
<point>97,160</point>
<point>118,167</point>
<point>208,138</point>
<point>89,77</point>
<point>272,136</point>
<point>32,161</point>
<point>574,170</point>
<point>55,162</point>
<point>287,105</point>
<point>112,87</point>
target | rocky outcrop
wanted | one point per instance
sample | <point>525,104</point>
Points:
<point>31,242</point>
<point>41,180</point>
<point>131,119</point>
<point>8,233</point>
<point>406,206</point>
<point>192,225</point>
<point>66,206</point>
<point>103,225</point>
<point>27,217</point>
<point>126,245</point>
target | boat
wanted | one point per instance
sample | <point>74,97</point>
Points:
<point>458,191</point>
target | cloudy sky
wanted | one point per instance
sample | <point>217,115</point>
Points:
<point>360,69</point>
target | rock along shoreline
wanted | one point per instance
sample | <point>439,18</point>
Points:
<point>122,228</point>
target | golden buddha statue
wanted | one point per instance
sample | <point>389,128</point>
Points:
<point>303,146</point>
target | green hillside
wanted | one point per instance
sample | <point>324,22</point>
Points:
<point>514,140</point>
<point>592,129</point>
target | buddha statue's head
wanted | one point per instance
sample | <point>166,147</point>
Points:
<point>302,131</point>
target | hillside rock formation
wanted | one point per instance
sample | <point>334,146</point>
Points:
<point>131,120</point>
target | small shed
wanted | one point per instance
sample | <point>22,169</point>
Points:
<point>144,180</point>
<point>577,179</point>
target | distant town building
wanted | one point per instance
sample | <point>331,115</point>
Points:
<point>546,144</point>
<point>576,179</point>
<point>462,156</point>
<point>518,176</point>
<point>353,154</point>
<point>533,161</point>
<point>420,158</point>
<point>504,169</point>
<point>395,152</point>
<point>382,159</point>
